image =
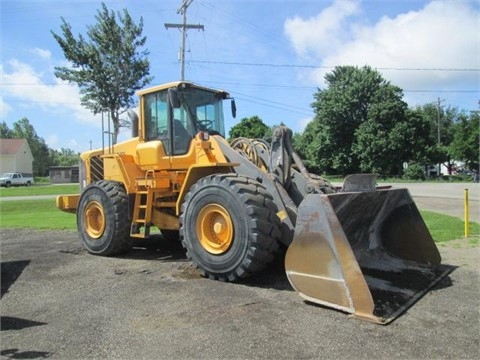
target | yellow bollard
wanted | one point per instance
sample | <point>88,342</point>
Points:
<point>466,212</point>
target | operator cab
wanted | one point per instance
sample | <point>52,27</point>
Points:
<point>176,112</point>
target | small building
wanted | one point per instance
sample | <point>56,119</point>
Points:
<point>64,174</point>
<point>15,156</point>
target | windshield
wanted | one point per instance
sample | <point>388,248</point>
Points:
<point>198,110</point>
<point>204,108</point>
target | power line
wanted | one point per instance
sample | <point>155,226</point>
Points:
<point>280,86</point>
<point>270,101</point>
<point>443,91</point>
<point>327,67</point>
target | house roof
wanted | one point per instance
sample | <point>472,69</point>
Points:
<point>11,146</point>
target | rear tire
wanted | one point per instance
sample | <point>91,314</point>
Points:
<point>103,219</point>
<point>229,227</point>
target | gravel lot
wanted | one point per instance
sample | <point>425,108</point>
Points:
<point>60,302</point>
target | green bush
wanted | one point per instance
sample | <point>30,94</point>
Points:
<point>414,171</point>
<point>42,180</point>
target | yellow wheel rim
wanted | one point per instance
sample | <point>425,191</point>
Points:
<point>215,229</point>
<point>94,219</point>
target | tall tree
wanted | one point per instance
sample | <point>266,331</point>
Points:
<point>108,67</point>
<point>353,116</point>
<point>252,128</point>
<point>466,140</point>
<point>5,132</point>
<point>441,122</point>
<point>64,157</point>
<point>382,146</point>
<point>22,129</point>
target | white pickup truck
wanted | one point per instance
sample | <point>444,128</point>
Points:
<point>15,179</point>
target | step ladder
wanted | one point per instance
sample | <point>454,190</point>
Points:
<point>142,213</point>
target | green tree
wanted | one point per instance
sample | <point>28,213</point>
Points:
<point>442,128</point>
<point>108,67</point>
<point>251,128</point>
<point>358,125</point>
<point>382,146</point>
<point>22,129</point>
<point>64,157</point>
<point>5,132</point>
<point>465,145</point>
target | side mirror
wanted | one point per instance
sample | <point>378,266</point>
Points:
<point>234,108</point>
<point>173,98</point>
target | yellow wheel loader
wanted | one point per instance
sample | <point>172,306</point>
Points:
<point>360,249</point>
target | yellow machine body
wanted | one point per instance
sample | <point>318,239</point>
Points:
<point>359,249</point>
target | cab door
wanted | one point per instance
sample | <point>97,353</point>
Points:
<point>167,134</point>
<point>154,151</point>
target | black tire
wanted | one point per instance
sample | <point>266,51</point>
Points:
<point>249,229</point>
<point>8,184</point>
<point>103,218</point>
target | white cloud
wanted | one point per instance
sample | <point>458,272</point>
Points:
<point>302,123</point>
<point>73,144</point>
<point>52,141</point>
<point>22,82</point>
<point>444,34</point>
<point>41,53</point>
<point>320,34</point>
<point>4,108</point>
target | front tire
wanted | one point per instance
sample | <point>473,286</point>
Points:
<point>103,219</point>
<point>229,227</point>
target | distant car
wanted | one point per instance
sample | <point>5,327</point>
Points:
<point>465,172</point>
<point>15,179</point>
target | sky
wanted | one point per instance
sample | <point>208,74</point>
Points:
<point>270,55</point>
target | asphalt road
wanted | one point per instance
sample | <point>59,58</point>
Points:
<point>60,302</point>
<point>447,198</point>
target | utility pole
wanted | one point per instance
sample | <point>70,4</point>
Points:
<point>184,26</point>
<point>438,121</point>
<point>439,142</point>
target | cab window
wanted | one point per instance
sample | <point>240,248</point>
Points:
<point>156,119</point>
<point>183,131</point>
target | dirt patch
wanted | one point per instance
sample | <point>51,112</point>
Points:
<point>461,252</point>
<point>151,303</point>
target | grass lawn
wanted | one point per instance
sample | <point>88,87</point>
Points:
<point>35,214</point>
<point>40,190</point>
<point>445,227</point>
<point>43,214</point>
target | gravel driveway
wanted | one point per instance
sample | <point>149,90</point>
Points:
<point>60,302</point>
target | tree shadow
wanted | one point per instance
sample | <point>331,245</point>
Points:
<point>14,323</point>
<point>17,354</point>
<point>10,272</point>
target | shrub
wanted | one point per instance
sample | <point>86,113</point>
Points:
<point>414,171</point>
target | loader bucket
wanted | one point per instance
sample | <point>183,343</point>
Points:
<point>365,253</point>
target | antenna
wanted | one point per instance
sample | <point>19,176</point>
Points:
<point>184,26</point>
